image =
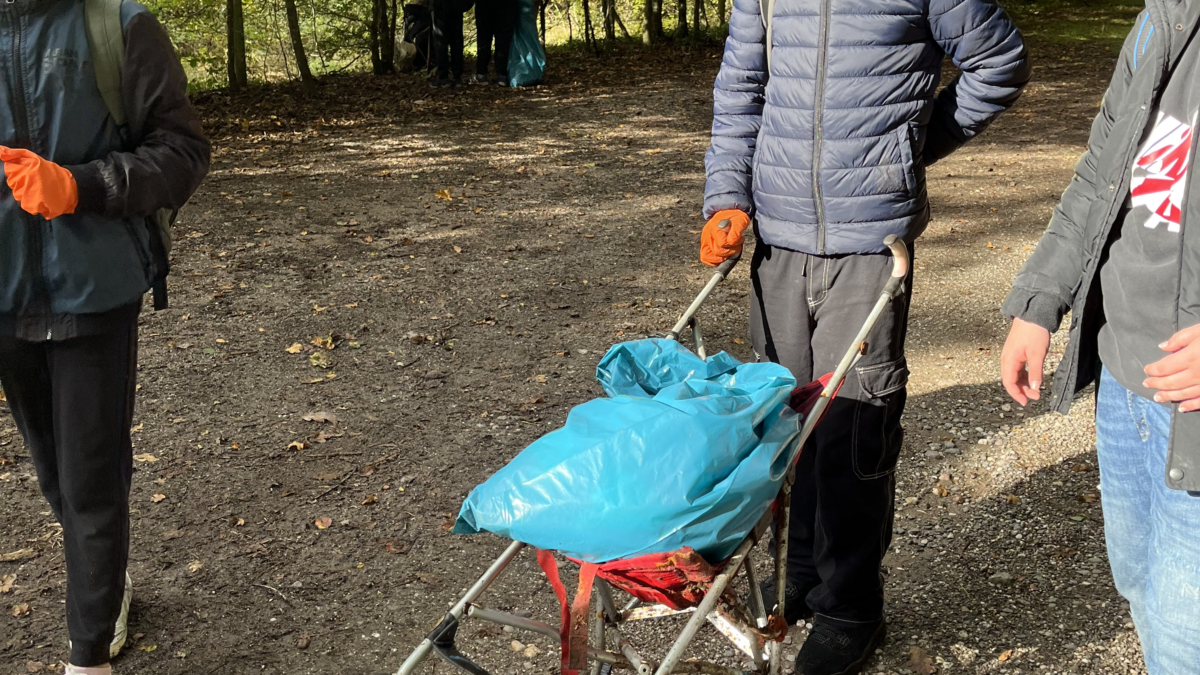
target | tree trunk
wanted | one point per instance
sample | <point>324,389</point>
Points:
<point>589,31</point>
<point>609,8</point>
<point>293,20</point>
<point>696,17</point>
<point>681,10</point>
<point>382,38</point>
<point>570,27</point>
<point>235,34</point>
<point>722,13</point>
<point>617,18</point>
<point>542,12</point>
<point>652,21</point>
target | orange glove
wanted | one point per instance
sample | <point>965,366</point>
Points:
<point>718,244</point>
<point>39,185</point>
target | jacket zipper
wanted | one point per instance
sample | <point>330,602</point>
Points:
<point>21,115</point>
<point>818,129</point>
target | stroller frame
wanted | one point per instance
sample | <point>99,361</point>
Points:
<point>751,627</point>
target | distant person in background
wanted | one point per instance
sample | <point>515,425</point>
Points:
<point>448,41</point>
<point>494,19</point>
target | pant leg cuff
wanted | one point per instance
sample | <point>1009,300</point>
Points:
<point>845,623</point>
<point>89,654</point>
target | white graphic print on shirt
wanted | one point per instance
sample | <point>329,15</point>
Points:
<point>1160,172</point>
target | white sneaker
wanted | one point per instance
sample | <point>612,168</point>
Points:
<point>122,631</point>
<point>76,670</point>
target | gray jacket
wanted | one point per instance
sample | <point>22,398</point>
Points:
<point>97,259</point>
<point>1061,275</point>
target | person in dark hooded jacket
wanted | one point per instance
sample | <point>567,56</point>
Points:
<point>826,115</point>
<point>78,236</point>
<point>1122,255</point>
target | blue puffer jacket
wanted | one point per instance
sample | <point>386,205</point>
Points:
<point>829,151</point>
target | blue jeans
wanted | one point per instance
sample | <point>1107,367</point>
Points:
<point>1152,531</point>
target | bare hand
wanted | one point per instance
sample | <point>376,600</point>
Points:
<point>1023,360</point>
<point>1177,376</point>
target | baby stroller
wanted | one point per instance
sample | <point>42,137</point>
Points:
<point>418,32</point>
<point>670,584</point>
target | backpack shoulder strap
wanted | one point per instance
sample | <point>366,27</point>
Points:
<point>766,8</point>
<point>107,45</point>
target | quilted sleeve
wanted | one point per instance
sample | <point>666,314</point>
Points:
<point>738,97</point>
<point>987,47</point>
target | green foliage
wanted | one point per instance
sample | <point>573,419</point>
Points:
<point>336,33</point>
<point>1103,21</point>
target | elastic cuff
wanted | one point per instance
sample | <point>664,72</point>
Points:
<point>1041,309</point>
<point>90,184</point>
<point>90,655</point>
<point>848,624</point>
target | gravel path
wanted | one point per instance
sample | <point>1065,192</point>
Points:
<point>320,270</point>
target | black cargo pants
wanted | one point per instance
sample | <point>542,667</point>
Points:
<point>805,313</point>
<point>73,403</point>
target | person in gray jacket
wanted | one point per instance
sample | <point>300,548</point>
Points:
<point>1119,255</point>
<point>825,117</point>
<point>80,245</point>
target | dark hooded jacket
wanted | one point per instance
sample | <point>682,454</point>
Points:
<point>55,275</point>
<point>1062,274</point>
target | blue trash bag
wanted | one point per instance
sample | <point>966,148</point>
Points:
<point>526,58</point>
<point>684,452</point>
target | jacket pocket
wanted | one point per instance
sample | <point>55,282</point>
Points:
<point>877,436</point>
<point>907,141</point>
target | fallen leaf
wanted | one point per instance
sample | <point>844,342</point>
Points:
<point>1088,498</point>
<point>444,195</point>
<point>940,491</point>
<point>1005,655</point>
<point>6,582</point>
<point>21,554</point>
<point>297,445</point>
<point>919,662</point>
<point>322,417</point>
<point>145,457</point>
<point>1013,499</point>
<point>324,342</point>
<point>320,360</point>
<point>148,648</point>
<point>296,348</point>
<point>323,523</point>
<point>1078,519</point>
<point>371,499</point>
<point>739,341</point>
<point>21,609</point>
<point>158,497</point>
<point>395,547</point>
<point>195,566</point>
<point>458,249</point>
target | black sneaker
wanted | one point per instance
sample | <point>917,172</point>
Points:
<point>795,609</point>
<point>478,79</point>
<point>440,82</point>
<point>836,650</point>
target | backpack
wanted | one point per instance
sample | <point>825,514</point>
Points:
<point>766,8</point>
<point>106,42</point>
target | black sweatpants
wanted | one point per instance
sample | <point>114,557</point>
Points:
<point>805,313</point>
<point>448,39</point>
<point>494,19</point>
<point>73,403</point>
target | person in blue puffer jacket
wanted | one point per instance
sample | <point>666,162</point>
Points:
<point>825,118</point>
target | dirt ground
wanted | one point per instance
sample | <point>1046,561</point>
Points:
<point>380,297</point>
